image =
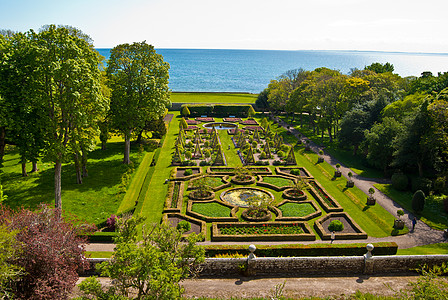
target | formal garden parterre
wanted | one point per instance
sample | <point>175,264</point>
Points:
<point>219,174</point>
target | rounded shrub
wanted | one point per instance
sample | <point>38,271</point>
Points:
<point>183,226</point>
<point>400,181</point>
<point>207,153</point>
<point>188,172</point>
<point>295,172</point>
<point>188,154</point>
<point>336,225</point>
<point>185,111</point>
<point>263,155</point>
<point>254,144</point>
<point>418,201</point>
<point>421,183</point>
<point>439,185</point>
<point>206,144</point>
<point>280,153</point>
<point>284,148</point>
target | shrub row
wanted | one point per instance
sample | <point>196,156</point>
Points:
<point>217,110</point>
<point>294,250</point>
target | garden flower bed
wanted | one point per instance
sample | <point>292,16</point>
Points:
<point>253,128</point>
<point>205,119</point>
<point>325,200</point>
<point>294,194</point>
<point>192,122</point>
<point>231,119</point>
<point>293,211</point>
<point>230,170</point>
<point>286,171</point>
<point>249,122</point>
<point>215,182</point>
<point>178,173</point>
<point>275,182</point>
<point>197,226</point>
<point>272,231</point>
<point>191,127</point>
<point>174,198</point>
<point>212,211</point>
<point>351,229</point>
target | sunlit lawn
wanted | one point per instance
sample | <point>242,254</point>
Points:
<point>212,98</point>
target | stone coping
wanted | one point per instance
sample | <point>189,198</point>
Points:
<point>243,182</point>
<point>311,216</point>
<point>261,182</point>
<point>231,218</point>
<point>326,235</point>
<point>308,234</point>
<point>288,196</point>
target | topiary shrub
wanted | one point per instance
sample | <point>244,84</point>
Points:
<point>280,153</point>
<point>284,148</point>
<point>295,172</point>
<point>400,181</point>
<point>185,111</point>
<point>188,154</point>
<point>183,226</point>
<point>421,183</point>
<point>207,153</point>
<point>418,201</point>
<point>439,185</point>
<point>188,172</point>
<point>203,163</point>
<point>263,155</point>
<point>336,225</point>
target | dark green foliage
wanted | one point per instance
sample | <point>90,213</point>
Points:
<point>185,111</point>
<point>336,225</point>
<point>295,172</point>
<point>183,226</point>
<point>400,181</point>
<point>380,68</point>
<point>423,184</point>
<point>439,185</point>
<point>262,99</point>
<point>418,201</point>
<point>218,110</point>
<point>188,172</point>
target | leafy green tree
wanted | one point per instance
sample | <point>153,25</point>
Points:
<point>150,268</point>
<point>138,77</point>
<point>380,68</point>
<point>353,125</point>
<point>185,111</point>
<point>438,114</point>
<point>262,99</point>
<point>379,141</point>
<point>401,109</point>
<point>418,201</point>
<point>431,284</point>
<point>250,112</point>
<point>69,90</point>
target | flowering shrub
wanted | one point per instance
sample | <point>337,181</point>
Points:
<point>110,223</point>
<point>294,228</point>
<point>249,122</point>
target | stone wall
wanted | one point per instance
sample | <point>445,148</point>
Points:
<point>303,266</point>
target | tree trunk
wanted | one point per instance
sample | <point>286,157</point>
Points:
<point>57,188</point>
<point>420,168</point>
<point>2,142</point>
<point>84,162</point>
<point>355,149</point>
<point>34,169</point>
<point>24,174</point>
<point>139,137</point>
<point>330,134</point>
<point>78,169</point>
<point>301,120</point>
<point>103,145</point>
<point>127,148</point>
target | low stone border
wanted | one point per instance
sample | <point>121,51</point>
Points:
<point>177,169</point>
<point>210,197</point>
<point>280,171</point>
<point>325,235</point>
<point>311,216</point>
<point>224,178</point>
<point>170,194</point>
<point>260,182</point>
<point>336,207</point>
<point>288,196</point>
<point>200,223</point>
<point>308,234</point>
<point>231,218</point>
<point>243,182</point>
<point>246,217</point>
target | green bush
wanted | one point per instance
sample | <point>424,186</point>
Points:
<point>185,111</point>
<point>188,172</point>
<point>421,183</point>
<point>183,226</point>
<point>295,172</point>
<point>400,181</point>
<point>336,225</point>
<point>197,110</point>
<point>263,155</point>
<point>284,148</point>
<point>418,201</point>
<point>188,154</point>
<point>280,153</point>
<point>439,185</point>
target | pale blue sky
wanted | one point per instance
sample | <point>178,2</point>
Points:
<point>383,25</point>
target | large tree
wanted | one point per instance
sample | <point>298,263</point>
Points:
<point>70,91</point>
<point>138,77</point>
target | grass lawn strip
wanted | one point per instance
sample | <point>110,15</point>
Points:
<point>135,188</point>
<point>153,202</point>
<point>225,98</point>
<point>278,181</point>
<point>439,248</point>
<point>296,209</point>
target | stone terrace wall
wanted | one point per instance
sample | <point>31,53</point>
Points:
<point>302,266</point>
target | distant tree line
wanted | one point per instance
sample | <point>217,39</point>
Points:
<point>56,98</point>
<point>397,124</point>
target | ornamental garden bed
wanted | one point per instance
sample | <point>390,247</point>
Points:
<point>293,211</point>
<point>215,182</point>
<point>245,180</point>
<point>276,182</point>
<point>179,173</point>
<point>294,194</point>
<point>212,211</point>
<point>205,119</point>
<point>173,201</point>
<point>231,170</point>
<point>351,230</point>
<point>201,195</point>
<point>294,171</point>
<point>234,120</point>
<point>272,231</point>
<point>249,122</point>
<point>197,226</point>
<point>328,203</point>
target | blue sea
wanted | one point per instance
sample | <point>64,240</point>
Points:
<point>211,70</point>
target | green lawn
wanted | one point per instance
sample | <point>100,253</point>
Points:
<point>296,209</point>
<point>440,248</point>
<point>278,181</point>
<point>213,98</point>
<point>433,213</point>
<point>212,209</point>
<point>93,201</point>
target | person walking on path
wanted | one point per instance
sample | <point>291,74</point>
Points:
<point>414,222</point>
<point>332,237</point>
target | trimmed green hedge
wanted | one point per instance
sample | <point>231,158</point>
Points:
<point>101,237</point>
<point>217,110</point>
<point>358,249</point>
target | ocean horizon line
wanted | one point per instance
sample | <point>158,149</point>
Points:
<point>303,50</point>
